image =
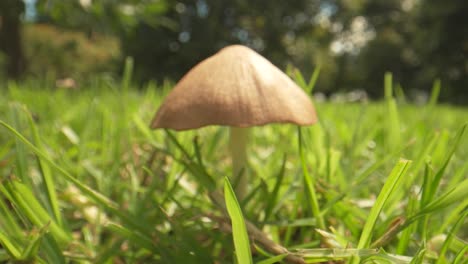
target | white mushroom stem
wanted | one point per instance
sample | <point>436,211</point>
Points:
<point>238,144</point>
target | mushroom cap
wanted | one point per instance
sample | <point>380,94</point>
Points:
<point>234,87</point>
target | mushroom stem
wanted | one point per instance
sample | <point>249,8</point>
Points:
<point>238,144</point>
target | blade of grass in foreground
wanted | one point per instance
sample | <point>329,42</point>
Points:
<point>22,197</point>
<point>239,230</point>
<point>45,170</point>
<point>9,246</point>
<point>90,192</point>
<point>96,196</point>
<point>458,193</point>
<point>449,198</point>
<point>273,196</point>
<point>321,255</point>
<point>389,187</point>
<point>272,260</point>
<point>310,186</point>
<point>440,173</point>
<point>448,240</point>
<point>461,256</point>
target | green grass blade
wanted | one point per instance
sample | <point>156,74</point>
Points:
<point>134,237</point>
<point>427,179</point>
<point>435,93</point>
<point>405,237</point>
<point>7,219</point>
<point>389,187</point>
<point>197,169</point>
<point>388,86</point>
<point>30,206</point>
<point>419,256</point>
<point>453,215</point>
<point>299,78</point>
<point>313,80</point>
<point>239,230</point>
<point>456,194</point>
<point>340,254</point>
<point>448,240</point>
<point>308,87</point>
<point>460,258</point>
<point>90,192</point>
<point>393,124</point>
<point>45,172</point>
<point>52,251</point>
<point>440,173</point>
<point>22,164</point>
<point>299,198</point>
<point>309,184</point>
<point>400,94</point>
<point>274,259</point>
<point>9,246</point>
<point>273,197</point>
<point>421,158</point>
<point>34,242</point>
<point>127,75</point>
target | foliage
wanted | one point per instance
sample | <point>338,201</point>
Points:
<point>84,179</point>
<point>354,42</point>
<point>418,42</point>
<point>10,38</point>
<point>59,54</point>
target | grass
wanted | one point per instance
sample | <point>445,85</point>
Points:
<point>84,180</point>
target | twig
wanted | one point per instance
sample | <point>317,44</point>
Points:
<point>396,226</point>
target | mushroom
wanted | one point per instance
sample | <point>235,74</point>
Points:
<point>239,88</point>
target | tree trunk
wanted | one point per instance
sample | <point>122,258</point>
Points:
<point>10,37</point>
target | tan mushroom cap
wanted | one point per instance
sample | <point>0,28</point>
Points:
<point>234,87</point>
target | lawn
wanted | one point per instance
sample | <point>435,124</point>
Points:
<point>84,180</point>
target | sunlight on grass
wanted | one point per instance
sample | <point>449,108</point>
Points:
<point>85,180</point>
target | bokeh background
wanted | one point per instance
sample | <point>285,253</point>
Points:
<point>354,42</point>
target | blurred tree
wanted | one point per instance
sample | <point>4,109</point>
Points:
<point>58,53</point>
<point>10,36</point>
<point>202,27</point>
<point>419,41</point>
<point>155,31</point>
<point>120,18</point>
<point>354,41</point>
<point>386,50</point>
<point>442,47</point>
